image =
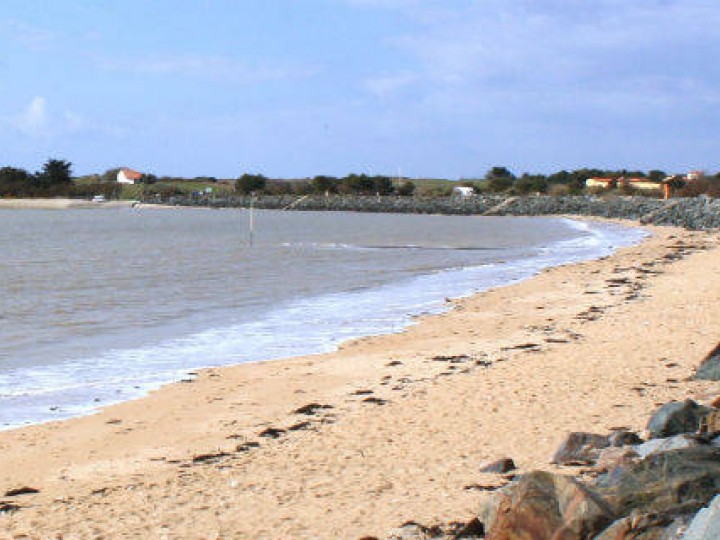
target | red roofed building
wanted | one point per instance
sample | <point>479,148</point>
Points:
<point>601,183</point>
<point>128,176</point>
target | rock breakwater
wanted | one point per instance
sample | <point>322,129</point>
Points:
<point>663,484</point>
<point>699,213</point>
<point>661,489</point>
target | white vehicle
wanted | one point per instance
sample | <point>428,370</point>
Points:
<point>98,198</point>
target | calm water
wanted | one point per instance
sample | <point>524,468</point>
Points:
<point>100,306</point>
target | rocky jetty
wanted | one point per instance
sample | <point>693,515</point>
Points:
<point>663,486</point>
<point>699,213</point>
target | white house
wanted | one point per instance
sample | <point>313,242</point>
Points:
<point>128,176</point>
<point>463,191</point>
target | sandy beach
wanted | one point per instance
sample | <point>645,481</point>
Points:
<point>387,429</point>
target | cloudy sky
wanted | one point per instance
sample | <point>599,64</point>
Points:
<point>296,88</point>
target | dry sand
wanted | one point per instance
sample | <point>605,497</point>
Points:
<point>587,347</point>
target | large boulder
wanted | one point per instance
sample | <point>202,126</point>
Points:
<point>581,448</point>
<point>676,418</point>
<point>709,369</point>
<point>657,446</point>
<point>543,505</point>
<point>674,482</point>
<point>706,525</point>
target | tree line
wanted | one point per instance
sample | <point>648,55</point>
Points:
<point>354,184</point>
<point>497,180</point>
<point>54,179</point>
<point>501,179</point>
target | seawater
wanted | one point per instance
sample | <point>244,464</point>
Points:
<point>97,307</point>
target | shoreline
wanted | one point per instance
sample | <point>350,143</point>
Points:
<point>425,379</point>
<point>62,204</point>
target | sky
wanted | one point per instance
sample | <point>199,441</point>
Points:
<point>296,88</point>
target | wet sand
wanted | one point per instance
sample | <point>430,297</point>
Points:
<point>391,428</point>
<point>61,204</point>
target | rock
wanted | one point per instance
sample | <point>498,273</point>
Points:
<point>676,481</point>
<point>271,433</point>
<point>710,423</point>
<point>299,426</point>
<point>209,458</point>
<point>580,448</point>
<point>676,418</point>
<point>640,526</point>
<point>414,531</point>
<point>247,446</point>
<point>21,491</point>
<point>467,531</point>
<point>543,505</point>
<point>614,456</point>
<point>706,524</point>
<point>709,369</point>
<point>311,408</point>
<point>715,403</point>
<point>500,466</point>
<point>623,437</point>
<point>8,508</point>
<point>656,446</point>
<point>471,530</point>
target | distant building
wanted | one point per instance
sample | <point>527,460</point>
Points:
<point>641,184</point>
<point>463,191</point>
<point>601,183</point>
<point>128,176</point>
<point>694,175</point>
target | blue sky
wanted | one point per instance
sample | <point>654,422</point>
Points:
<point>293,88</point>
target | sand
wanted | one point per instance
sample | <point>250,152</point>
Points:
<point>408,418</point>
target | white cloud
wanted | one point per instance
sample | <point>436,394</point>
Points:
<point>33,120</point>
<point>25,34</point>
<point>634,54</point>
<point>38,122</point>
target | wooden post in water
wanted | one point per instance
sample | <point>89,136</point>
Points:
<point>251,230</point>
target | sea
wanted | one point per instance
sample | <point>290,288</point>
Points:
<point>102,306</point>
